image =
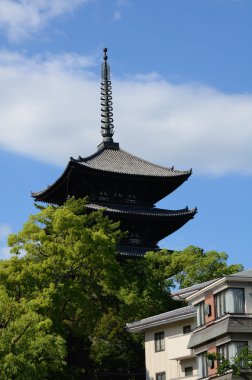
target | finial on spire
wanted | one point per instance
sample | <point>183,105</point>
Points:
<point>107,127</point>
<point>105,57</point>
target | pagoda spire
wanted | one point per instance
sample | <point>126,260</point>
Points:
<point>107,127</point>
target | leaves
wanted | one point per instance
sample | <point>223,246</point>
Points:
<point>193,265</point>
<point>29,349</point>
<point>65,298</point>
<point>58,288</point>
<point>240,364</point>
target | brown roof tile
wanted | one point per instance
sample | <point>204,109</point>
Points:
<point>120,161</point>
<point>138,210</point>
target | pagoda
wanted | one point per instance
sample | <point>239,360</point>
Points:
<point>126,187</point>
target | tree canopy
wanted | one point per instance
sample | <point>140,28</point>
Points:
<point>65,296</point>
<point>193,265</point>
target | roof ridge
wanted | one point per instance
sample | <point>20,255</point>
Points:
<point>157,165</point>
<point>179,312</point>
<point>194,287</point>
<point>85,161</point>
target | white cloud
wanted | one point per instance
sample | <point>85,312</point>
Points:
<point>19,18</point>
<point>119,8</point>
<point>5,230</point>
<point>50,110</point>
<point>117,16</point>
<point>5,253</point>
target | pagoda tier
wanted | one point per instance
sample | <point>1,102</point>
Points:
<point>126,187</point>
<point>145,226</point>
<point>116,176</point>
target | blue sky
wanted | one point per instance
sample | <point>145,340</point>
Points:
<point>182,93</point>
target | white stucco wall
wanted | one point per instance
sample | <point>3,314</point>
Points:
<point>175,357</point>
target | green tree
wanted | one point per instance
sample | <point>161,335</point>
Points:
<point>66,283</point>
<point>193,265</point>
<point>64,264</point>
<point>144,291</point>
<point>29,349</point>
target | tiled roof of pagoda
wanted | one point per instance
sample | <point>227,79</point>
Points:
<point>138,210</point>
<point>119,161</point>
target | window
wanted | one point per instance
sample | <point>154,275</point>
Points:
<point>160,376</point>
<point>230,300</point>
<point>159,341</point>
<point>187,329</point>
<point>222,352</point>
<point>188,371</point>
<point>208,309</point>
<point>230,350</point>
<point>200,308</point>
<point>202,364</point>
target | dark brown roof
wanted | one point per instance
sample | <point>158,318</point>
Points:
<point>112,162</point>
<point>138,210</point>
<point>120,161</point>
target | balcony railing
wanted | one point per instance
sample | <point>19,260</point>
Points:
<point>192,377</point>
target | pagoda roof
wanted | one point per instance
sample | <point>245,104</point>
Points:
<point>160,223</point>
<point>117,160</point>
<point>141,211</point>
<point>112,161</point>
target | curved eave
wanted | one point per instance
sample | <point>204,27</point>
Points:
<point>47,195</point>
<point>42,196</point>
<point>156,225</point>
<point>144,212</point>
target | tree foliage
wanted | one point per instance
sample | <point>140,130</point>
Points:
<point>29,348</point>
<point>240,365</point>
<point>69,272</point>
<point>193,265</point>
<point>65,297</point>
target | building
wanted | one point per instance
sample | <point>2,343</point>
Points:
<point>224,320</point>
<point>217,323</point>
<point>126,187</point>
<point>166,338</point>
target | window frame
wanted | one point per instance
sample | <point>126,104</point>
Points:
<point>202,370</point>
<point>225,348</point>
<point>187,329</point>
<point>191,371</point>
<point>200,309</point>
<point>161,375</point>
<point>220,302</point>
<point>159,340</point>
